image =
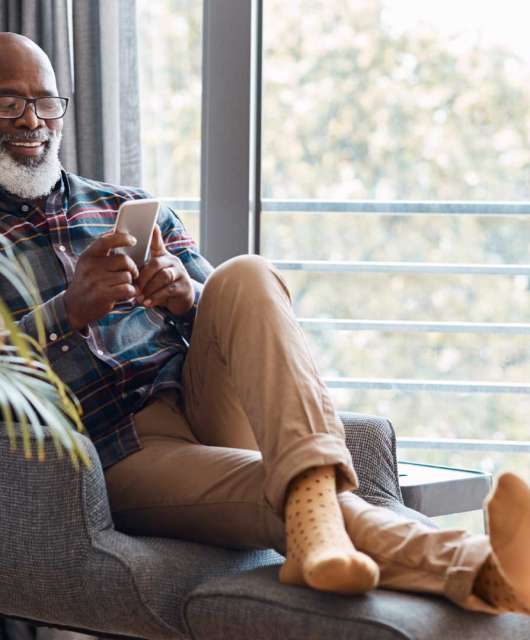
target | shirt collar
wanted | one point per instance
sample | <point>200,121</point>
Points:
<point>10,203</point>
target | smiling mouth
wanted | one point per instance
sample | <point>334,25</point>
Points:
<point>27,148</point>
<point>26,144</point>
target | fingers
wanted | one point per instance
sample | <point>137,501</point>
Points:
<point>155,265</point>
<point>122,292</point>
<point>121,262</point>
<point>101,279</point>
<point>177,293</point>
<point>162,279</point>
<point>104,243</point>
<point>158,248</point>
<point>119,277</point>
<point>162,295</point>
<point>116,286</point>
<point>160,299</point>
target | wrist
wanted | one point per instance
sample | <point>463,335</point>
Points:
<point>75,323</point>
<point>178,308</point>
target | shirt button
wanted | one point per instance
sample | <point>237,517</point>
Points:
<point>100,353</point>
<point>62,247</point>
<point>53,337</point>
<point>65,347</point>
<point>25,208</point>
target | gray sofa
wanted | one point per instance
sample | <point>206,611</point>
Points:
<point>63,564</point>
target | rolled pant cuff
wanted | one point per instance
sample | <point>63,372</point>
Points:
<point>473,552</point>
<point>313,450</point>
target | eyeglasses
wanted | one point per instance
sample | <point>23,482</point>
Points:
<point>46,108</point>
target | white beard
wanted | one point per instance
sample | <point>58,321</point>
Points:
<point>31,182</point>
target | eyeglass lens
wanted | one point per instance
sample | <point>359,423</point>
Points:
<point>47,107</point>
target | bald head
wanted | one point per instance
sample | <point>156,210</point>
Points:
<point>20,42</point>
<point>22,62</point>
<point>29,140</point>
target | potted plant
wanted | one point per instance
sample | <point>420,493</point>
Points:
<point>32,396</point>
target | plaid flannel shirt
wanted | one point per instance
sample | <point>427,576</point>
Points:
<point>133,351</point>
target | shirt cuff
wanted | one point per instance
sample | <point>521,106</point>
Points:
<point>56,325</point>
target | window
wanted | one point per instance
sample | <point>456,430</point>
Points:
<point>393,173</point>
<point>395,166</point>
<point>170,55</point>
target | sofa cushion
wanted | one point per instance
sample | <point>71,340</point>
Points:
<point>255,605</point>
<point>62,562</point>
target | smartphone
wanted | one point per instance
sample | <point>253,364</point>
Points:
<point>138,218</point>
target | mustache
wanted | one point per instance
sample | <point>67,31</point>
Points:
<point>27,136</point>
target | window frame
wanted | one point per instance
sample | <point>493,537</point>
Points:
<point>230,208</point>
<point>231,127</point>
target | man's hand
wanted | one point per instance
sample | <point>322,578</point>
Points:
<point>101,279</point>
<point>164,281</point>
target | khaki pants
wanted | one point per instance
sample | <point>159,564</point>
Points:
<point>257,414</point>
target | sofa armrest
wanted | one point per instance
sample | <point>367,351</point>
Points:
<point>63,564</point>
<point>56,542</point>
<point>371,441</point>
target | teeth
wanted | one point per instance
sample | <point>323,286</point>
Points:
<point>26,144</point>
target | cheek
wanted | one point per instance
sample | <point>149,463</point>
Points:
<point>6,126</point>
<point>55,126</point>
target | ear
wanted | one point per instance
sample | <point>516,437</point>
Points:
<point>158,247</point>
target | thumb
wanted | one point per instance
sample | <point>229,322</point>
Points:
<point>158,248</point>
<point>105,242</point>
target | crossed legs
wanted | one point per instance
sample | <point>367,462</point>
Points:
<point>250,386</point>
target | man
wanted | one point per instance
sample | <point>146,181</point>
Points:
<point>232,440</point>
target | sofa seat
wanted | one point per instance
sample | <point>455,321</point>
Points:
<point>63,564</point>
<point>254,605</point>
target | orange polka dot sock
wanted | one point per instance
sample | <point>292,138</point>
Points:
<point>320,553</point>
<point>505,576</point>
<point>492,586</point>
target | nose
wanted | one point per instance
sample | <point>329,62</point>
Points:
<point>29,118</point>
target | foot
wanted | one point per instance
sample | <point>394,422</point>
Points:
<point>508,510</point>
<point>320,553</point>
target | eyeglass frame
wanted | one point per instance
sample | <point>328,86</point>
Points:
<point>34,101</point>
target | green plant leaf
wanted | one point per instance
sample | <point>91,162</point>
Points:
<point>31,393</point>
<point>34,421</point>
<point>15,399</point>
<point>7,416</point>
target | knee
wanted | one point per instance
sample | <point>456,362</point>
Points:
<point>245,266</point>
<point>252,273</point>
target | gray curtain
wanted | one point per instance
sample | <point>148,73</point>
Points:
<point>93,47</point>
